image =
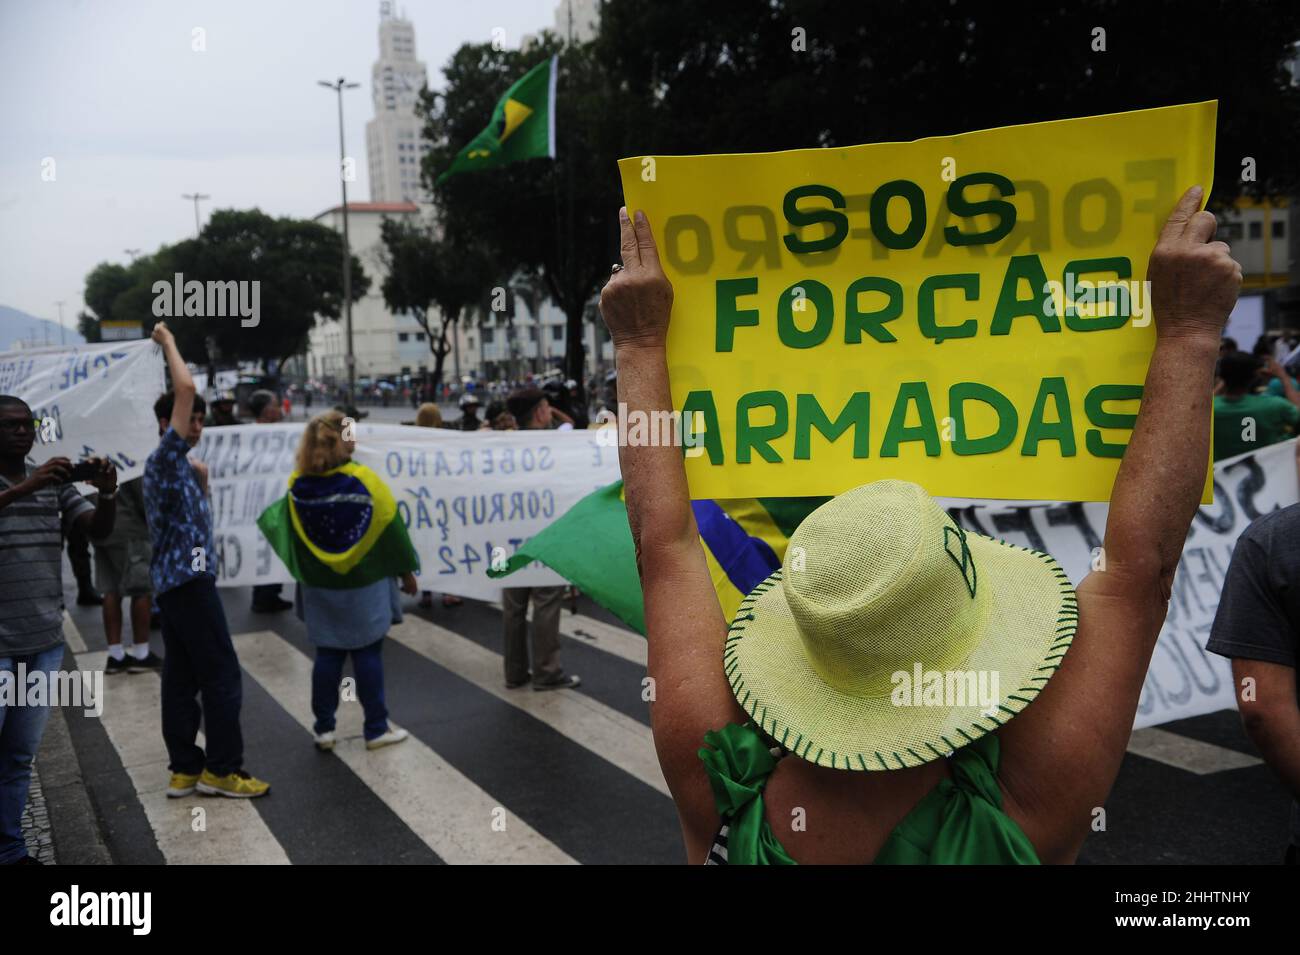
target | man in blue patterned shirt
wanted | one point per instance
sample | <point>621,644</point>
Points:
<point>200,660</point>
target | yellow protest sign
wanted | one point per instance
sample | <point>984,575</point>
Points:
<point>968,312</point>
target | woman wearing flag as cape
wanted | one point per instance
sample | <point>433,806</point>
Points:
<point>338,532</point>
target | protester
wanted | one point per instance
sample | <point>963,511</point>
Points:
<point>429,416</point>
<point>1257,627</point>
<point>891,581</point>
<point>338,532</point>
<point>223,411</point>
<point>499,418</point>
<point>200,657</point>
<point>1247,422</point>
<point>122,571</point>
<point>265,409</point>
<point>37,505</point>
<point>469,420</point>
<point>531,410</point>
<point>78,546</point>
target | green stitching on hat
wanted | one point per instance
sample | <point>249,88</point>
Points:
<point>963,559</point>
<point>785,735</point>
<point>863,762</point>
<point>900,761</point>
<point>1012,696</point>
<point>935,751</point>
<point>795,748</point>
<point>946,740</point>
<point>884,765</point>
<point>916,754</point>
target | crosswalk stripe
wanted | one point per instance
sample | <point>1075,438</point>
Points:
<point>612,639</point>
<point>72,636</point>
<point>591,724</point>
<point>1183,752</point>
<point>235,832</point>
<point>447,810</point>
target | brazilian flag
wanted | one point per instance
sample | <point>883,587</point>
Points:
<point>339,529</point>
<point>590,545</point>
<point>522,127</point>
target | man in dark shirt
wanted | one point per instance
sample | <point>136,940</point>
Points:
<point>1257,625</point>
<point>200,658</point>
<point>37,507</point>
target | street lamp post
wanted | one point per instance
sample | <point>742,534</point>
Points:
<point>195,196</point>
<point>338,88</point>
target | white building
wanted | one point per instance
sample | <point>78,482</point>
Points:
<point>393,144</point>
<point>385,344</point>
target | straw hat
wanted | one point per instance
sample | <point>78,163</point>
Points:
<point>891,637</point>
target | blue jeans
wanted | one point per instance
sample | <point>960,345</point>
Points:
<point>200,661</point>
<point>368,667</point>
<point>21,729</point>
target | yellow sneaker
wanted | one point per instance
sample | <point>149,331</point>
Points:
<point>236,785</point>
<point>182,784</point>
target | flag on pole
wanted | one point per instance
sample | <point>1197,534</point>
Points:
<point>522,126</point>
<point>591,546</point>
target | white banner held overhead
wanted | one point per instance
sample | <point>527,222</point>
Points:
<point>460,494</point>
<point>90,399</point>
<point>1184,679</point>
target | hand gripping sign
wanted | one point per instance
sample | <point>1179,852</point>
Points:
<point>968,312</point>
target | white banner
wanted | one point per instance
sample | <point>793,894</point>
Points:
<point>1184,678</point>
<point>460,494</point>
<point>90,399</point>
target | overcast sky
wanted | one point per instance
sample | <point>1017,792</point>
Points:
<point>133,117</point>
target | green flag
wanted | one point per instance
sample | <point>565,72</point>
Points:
<point>591,546</point>
<point>522,127</point>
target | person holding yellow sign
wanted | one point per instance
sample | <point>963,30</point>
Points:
<point>871,700</point>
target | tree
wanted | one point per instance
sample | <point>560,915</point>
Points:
<point>881,71</point>
<point>554,218</point>
<point>426,272</point>
<point>88,325</point>
<point>294,262</point>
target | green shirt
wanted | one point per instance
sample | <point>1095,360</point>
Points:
<point>960,821</point>
<point>1251,422</point>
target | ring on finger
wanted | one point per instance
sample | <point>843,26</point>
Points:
<point>617,267</point>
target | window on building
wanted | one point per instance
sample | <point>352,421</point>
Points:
<point>487,336</point>
<point>1229,231</point>
<point>1256,230</point>
<point>557,333</point>
<point>469,341</point>
<point>1279,229</point>
<point>419,336</point>
<point>532,333</point>
<point>402,336</point>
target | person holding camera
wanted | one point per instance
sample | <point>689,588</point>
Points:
<point>38,505</point>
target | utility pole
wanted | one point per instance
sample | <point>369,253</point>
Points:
<point>63,338</point>
<point>338,88</point>
<point>196,196</point>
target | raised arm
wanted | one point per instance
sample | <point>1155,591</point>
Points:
<point>684,622</point>
<point>1061,755</point>
<point>1194,284</point>
<point>182,380</point>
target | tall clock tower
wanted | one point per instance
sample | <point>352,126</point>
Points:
<point>393,145</point>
